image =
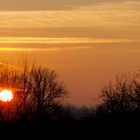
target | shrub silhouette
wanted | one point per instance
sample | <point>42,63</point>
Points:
<point>37,93</point>
<point>122,96</point>
<point>71,112</point>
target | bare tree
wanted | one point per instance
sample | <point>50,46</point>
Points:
<point>121,96</point>
<point>36,92</point>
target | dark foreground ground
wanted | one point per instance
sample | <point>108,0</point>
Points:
<point>88,130</point>
<point>113,122</point>
<point>107,126</point>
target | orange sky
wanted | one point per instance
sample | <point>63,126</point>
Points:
<point>85,41</point>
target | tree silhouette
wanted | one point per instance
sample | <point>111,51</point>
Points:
<point>122,96</point>
<point>37,93</point>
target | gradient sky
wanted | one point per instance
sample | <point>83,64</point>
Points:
<point>98,16</point>
<point>73,37</point>
<point>113,19</point>
<point>69,13</point>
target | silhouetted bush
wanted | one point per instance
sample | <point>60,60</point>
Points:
<point>70,112</point>
<point>121,101</point>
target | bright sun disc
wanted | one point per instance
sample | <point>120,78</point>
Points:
<point>6,95</point>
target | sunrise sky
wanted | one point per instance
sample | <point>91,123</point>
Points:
<point>85,41</point>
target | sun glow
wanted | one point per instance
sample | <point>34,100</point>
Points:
<point>6,95</point>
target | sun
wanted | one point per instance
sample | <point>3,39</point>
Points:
<point>6,95</point>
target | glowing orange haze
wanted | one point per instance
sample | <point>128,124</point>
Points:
<point>84,70</point>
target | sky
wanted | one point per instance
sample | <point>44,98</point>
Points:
<point>73,37</point>
<point>102,19</point>
<point>95,19</point>
<point>120,14</point>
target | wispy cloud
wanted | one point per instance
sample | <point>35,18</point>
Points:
<point>114,19</point>
<point>103,15</point>
<point>55,43</point>
<point>46,40</point>
<point>50,4</point>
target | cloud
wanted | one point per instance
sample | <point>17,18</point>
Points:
<point>64,40</point>
<point>22,5</point>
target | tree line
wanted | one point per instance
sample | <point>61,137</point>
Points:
<point>39,96</point>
